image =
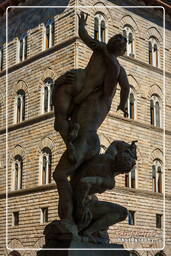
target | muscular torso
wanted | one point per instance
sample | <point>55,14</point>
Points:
<point>95,71</point>
<point>93,110</point>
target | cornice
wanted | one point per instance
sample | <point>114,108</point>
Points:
<point>117,189</point>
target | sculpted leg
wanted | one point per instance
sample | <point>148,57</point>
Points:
<point>105,214</point>
<point>84,151</point>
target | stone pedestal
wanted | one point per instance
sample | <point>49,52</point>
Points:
<point>86,249</point>
<point>60,234</point>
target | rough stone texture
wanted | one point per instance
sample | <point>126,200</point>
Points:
<point>32,134</point>
<point>86,249</point>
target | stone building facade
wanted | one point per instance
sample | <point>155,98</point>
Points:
<point>43,43</point>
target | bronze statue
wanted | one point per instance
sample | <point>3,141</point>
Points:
<point>96,176</point>
<point>97,92</point>
<point>102,73</point>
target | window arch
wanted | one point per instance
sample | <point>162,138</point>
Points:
<point>128,33</point>
<point>153,48</point>
<point>17,173</point>
<point>133,253</point>
<point>155,111</point>
<point>14,253</point>
<point>23,47</point>
<point>131,104</point>
<point>47,95</point>
<point>20,106</point>
<point>157,179</point>
<point>49,33</point>
<point>99,27</point>
<point>160,254</point>
<point>46,161</point>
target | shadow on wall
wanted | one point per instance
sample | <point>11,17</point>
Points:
<point>30,18</point>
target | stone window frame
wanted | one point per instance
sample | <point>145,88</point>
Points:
<point>1,58</point>
<point>155,99</point>
<point>23,51</point>
<point>134,253</point>
<point>100,17</point>
<point>44,214</point>
<point>132,218</point>
<point>45,158</point>
<point>49,34</point>
<point>157,176</point>
<point>15,218</point>
<point>47,95</point>
<point>129,33</point>
<point>134,105</point>
<point>14,253</point>
<point>17,177</point>
<point>160,254</point>
<point>20,102</point>
<point>154,52</point>
<point>131,178</point>
<point>159,217</point>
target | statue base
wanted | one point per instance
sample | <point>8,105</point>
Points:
<point>62,234</point>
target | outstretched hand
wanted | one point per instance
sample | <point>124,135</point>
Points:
<point>83,18</point>
<point>123,110</point>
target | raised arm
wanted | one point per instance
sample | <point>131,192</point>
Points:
<point>88,40</point>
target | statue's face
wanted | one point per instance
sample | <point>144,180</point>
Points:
<point>125,161</point>
<point>117,44</point>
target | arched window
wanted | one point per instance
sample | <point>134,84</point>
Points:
<point>130,106</point>
<point>99,28</point>
<point>23,47</point>
<point>129,34</point>
<point>160,254</point>
<point>20,106</point>
<point>14,253</point>
<point>155,111</point>
<point>130,179</point>
<point>157,182</point>
<point>46,159</point>
<point>47,95</point>
<point>1,58</point>
<point>17,173</point>
<point>133,253</point>
<point>153,47</point>
<point>49,34</point>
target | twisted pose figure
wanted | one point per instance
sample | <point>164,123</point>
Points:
<point>91,112</point>
<point>75,86</point>
<point>97,176</point>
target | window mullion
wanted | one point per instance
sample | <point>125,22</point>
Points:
<point>99,28</point>
<point>23,48</point>
<point>48,97</point>
<point>50,35</point>
<point>21,109</point>
<point>46,169</point>
<point>129,185</point>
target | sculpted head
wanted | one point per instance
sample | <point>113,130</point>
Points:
<point>117,45</point>
<point>125,159</point>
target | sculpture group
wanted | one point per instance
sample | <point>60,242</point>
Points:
<point>82,99</point>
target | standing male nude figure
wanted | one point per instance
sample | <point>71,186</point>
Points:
<point>91,112</point>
